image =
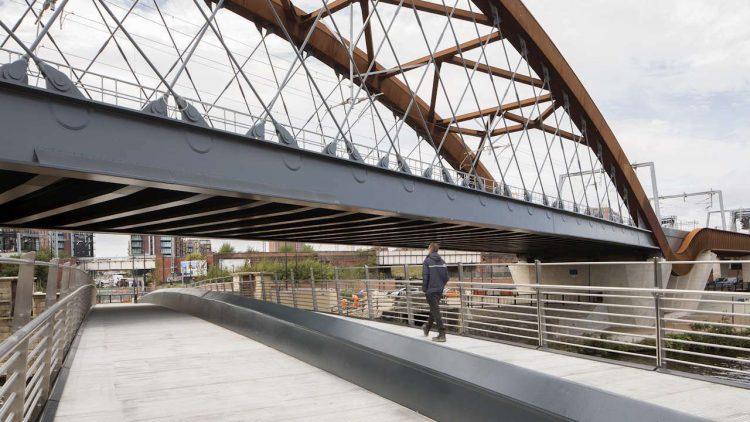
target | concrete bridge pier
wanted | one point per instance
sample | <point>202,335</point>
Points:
<point>696,279</point>
<point>635,275</point>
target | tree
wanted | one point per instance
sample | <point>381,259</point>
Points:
<point>9,270</point>
<point>214,271</point>
<point>195,256</point>
<point>307,248</point>
<point>226,248</point>
<point>40,271</point>
<point>250,249</point>
<point>286,248</point>
<point>321,270</point>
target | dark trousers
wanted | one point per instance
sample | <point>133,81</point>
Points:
<point>433,299</point>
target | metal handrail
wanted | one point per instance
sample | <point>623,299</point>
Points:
<point>33,355</point>
<point>677,330</point>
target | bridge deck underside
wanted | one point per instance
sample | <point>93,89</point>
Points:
<point>61,203</point>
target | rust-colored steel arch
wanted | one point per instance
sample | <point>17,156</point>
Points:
<point>522,30</point>
<point>520,27</point>
<point>326,47</point>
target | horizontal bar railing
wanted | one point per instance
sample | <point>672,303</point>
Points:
<point>32,355</point>
<point>702,332</point>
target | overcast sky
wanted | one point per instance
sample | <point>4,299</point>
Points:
<point>670,77</point>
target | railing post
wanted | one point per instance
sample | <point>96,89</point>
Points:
<point>294,289</point>
<point>462,311</point>
<point>59,335</point>
<point>370,311</point>
<point>338,289</point>
<point>65,280</point>
<point>18,386</point>
<point>276,286</point>
<point>22,302</point>
<point>46,382</point>
<point>53,275</point>
<point>65,329</point>
<point>409,310</point>
<point>539,304</point>
<point>658,321</point>
<point>263,288</point>
<point>312,288</point>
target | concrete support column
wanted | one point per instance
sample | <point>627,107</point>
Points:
<point>696,279</point>
<point>596,278</point>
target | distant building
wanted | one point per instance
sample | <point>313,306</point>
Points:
<point>155,245</point>
<point>168,252</point>
<point>82,244</point>
<point>61,243</point>
<point>140,245</point>
<point>278,246</point>
<point>202,246</point>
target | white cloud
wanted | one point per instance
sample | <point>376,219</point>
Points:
<point>672,77</point>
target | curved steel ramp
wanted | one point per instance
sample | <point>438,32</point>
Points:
<point>439,382</point>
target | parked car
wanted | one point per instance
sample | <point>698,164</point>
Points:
<point>725,282</point>
<point>402,291</point>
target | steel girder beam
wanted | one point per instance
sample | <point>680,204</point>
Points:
<point>326,46</point>
<point>52,134</point>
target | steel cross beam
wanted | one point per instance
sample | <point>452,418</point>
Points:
<point>328,48</point>
<point>442,55</point>
<point>498,109</point>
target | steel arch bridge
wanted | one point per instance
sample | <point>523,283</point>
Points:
<point>384,122</point>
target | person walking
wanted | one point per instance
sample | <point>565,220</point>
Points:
<point>434,279</point>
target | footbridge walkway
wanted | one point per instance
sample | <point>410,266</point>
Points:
<point>202,354</point>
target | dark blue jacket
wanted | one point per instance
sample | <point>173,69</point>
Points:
<point>434,274</point>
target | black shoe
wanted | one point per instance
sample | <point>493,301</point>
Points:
<point>426,330</point>
<point>440,338</point>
